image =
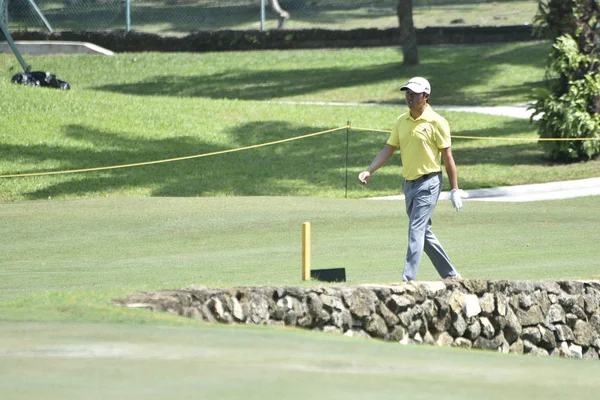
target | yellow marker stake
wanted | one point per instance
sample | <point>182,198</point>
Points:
<point>306,251</point>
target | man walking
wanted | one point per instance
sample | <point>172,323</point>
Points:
<point>423,138</point>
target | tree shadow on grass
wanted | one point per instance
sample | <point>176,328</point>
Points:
<point>257,85</point>
<point>470,69</point>
<point>270,85</point>
<point>102,149</point>
<point>522,153</point>
<point>291,168</point>
<point>500,144</point>
<point>300,167</point>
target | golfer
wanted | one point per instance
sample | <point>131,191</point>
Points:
<point>423,138</point>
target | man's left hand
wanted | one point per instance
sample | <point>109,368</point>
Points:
<point>456,196</point>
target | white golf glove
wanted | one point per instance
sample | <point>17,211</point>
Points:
<point>456,196</point>
<point>363,177</point>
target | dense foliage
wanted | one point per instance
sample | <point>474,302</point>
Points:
<point>569,105</point>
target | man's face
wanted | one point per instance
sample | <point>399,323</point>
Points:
<point>415,100</point>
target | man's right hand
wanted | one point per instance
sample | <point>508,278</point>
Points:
<point>363,177</point>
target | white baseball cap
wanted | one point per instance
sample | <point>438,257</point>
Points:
<point>418,85</point>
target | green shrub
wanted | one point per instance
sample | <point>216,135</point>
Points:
<point>569,106</point>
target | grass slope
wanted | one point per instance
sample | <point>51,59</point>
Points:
<point>124,110</point>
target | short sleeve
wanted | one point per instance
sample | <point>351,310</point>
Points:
<point>442,135</point>
<point>394,139</point>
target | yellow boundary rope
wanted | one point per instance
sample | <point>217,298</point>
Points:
<point>491,137</point>
<point>73,171</point>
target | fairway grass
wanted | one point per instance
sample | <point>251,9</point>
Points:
<point>119,245</point>
<point>74,361</point>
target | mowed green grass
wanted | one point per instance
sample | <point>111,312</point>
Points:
<point>119,245</point>
<point>74,361</point>
<point>142,107</point>
<point>62,261</point>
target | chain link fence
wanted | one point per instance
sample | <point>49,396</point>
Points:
<point>181,17</point>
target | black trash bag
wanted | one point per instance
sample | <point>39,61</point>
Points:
<point>39,78</point>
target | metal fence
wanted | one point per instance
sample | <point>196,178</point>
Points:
<point>181,17</point>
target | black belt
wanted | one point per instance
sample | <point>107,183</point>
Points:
<point>424,177</point>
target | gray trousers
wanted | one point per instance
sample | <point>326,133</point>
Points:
<point>421,198</point>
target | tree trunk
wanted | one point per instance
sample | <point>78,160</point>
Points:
<point>408,34</point>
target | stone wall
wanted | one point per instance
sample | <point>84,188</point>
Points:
<point>228,40</point>
<point>543,318</point>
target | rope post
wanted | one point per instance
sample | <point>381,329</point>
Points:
<point>262,15</point>
<point>347,145</point>
<point>306,251</point>
<point>128,16</point>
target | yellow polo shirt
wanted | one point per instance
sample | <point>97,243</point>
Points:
<point>420,141</point>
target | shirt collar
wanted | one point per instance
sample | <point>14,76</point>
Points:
<point>424,115</point>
